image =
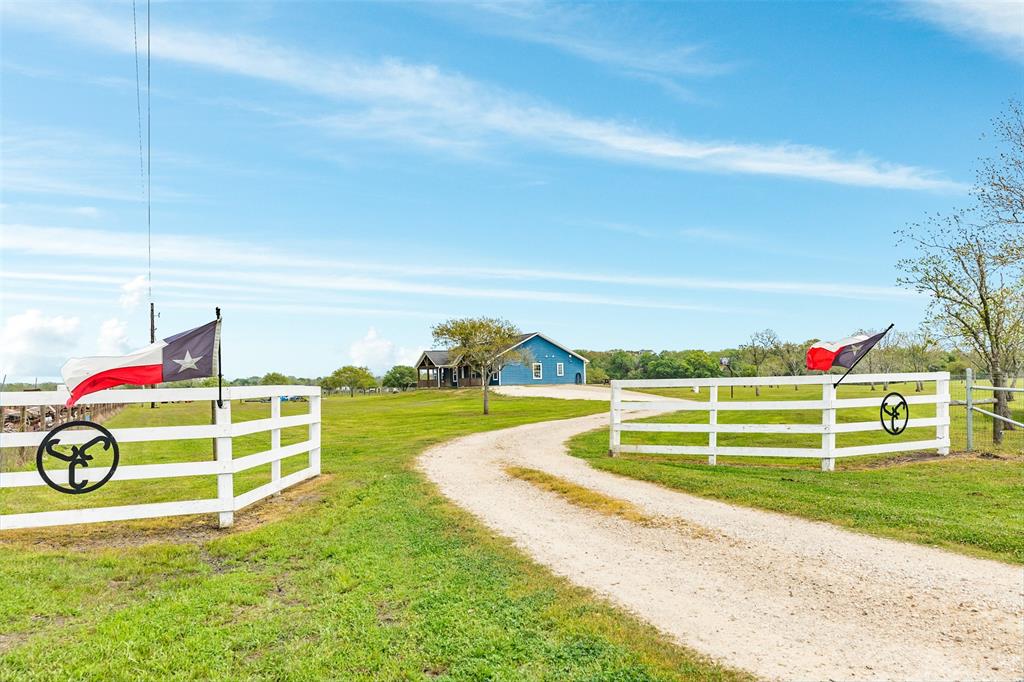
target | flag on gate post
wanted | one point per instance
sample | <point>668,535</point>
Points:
<point>825,355</point>
<point>846,353</point>
<point>189,355</point>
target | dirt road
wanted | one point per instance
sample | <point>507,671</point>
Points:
<point>779,596</point>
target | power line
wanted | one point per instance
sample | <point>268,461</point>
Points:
<point>149,156</point>
<point>138,98</point>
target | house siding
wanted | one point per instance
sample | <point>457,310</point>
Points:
<point>549,355</point>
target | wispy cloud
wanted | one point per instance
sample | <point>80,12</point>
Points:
<point>593,33</point>
<point>47,160</point>
<point>995,26</point>
<point>270,270</point>
<point>442,109</point>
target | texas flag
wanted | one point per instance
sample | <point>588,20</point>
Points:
<point>843,353</point>
<point>188,355</point>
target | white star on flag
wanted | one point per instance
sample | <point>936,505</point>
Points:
<point>188,362</point>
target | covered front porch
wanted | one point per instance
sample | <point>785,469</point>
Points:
<point>431,373</point>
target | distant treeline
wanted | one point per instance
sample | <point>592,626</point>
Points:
<point>765,354</point>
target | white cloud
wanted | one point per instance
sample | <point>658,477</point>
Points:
<point>995,26</point>
<point>422,103</point>
<point>113,337</point>
<point>33,344</point>
<point>378,353</point>
<point>133,291</point>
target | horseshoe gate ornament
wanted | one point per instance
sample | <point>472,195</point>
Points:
<point>894,413</point>
<point>76,458</point>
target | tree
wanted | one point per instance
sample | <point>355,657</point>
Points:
<point>757,351</point>
<point>350,377</point>
<point>273,379</point>
<point>400,376</point>
<point>665,366</point>
<point>999,187</point>
<point>620,364</point>
<point>971,264</point>
<point>484,344</point>
<point>914,352</point>
<point>596,375</point>
<point>792,357</point>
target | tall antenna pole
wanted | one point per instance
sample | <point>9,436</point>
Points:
<point>149,182</point>
<point>149,159</point>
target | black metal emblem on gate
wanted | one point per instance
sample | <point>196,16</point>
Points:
<point>894,413</point>
<point>77,457</point>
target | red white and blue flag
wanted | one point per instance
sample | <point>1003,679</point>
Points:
<point>825,355</point>
<point>188,355</point>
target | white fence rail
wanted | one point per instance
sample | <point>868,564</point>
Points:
<point>828,405</point>
<point>224,467</point>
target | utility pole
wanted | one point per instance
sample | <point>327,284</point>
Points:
<point>152,336</point>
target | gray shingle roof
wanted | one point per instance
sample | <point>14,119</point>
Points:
<point>438,357</point>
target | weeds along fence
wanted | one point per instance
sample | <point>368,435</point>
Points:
<point>710,399</point>
<point>222,465</point>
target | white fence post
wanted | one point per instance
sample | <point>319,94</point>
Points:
<point>225,479</point>
<point>614,419</point>
<point>828,420</point>
<point>942,413</point>
<point>713,420</point>
<point>314,434</point>
<point>275,438</point>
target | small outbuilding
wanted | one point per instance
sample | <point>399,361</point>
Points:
<point>552,363</point>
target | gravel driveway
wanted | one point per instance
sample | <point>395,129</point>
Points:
<point>782,597</point>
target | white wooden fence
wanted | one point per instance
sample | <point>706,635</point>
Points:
<point>828,405</point>
<point>224,467</point>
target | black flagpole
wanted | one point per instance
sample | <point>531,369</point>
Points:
<point>220,372</point>
<point>836,385</point>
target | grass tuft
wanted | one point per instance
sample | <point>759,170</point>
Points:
<point>582,497</point>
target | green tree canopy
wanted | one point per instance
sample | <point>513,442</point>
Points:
<point>274,379</point>
<point>350,378</point>
<point>400,376</point>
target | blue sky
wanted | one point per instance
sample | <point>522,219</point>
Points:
<point>338,177</point>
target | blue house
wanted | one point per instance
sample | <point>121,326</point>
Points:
<point>551,363</point>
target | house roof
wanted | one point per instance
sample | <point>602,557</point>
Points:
<point>440,358</point>
<point>523,338</point>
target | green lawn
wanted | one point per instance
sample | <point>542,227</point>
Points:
<point>365,573</point>
<point>966,503</point>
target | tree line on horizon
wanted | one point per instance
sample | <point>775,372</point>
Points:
<point>766,354</point>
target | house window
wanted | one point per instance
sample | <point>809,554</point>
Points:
<point>560,369</point>
<point>538,370</point>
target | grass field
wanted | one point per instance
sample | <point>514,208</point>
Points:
<point>967,503</point>
<point>365,573</point>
